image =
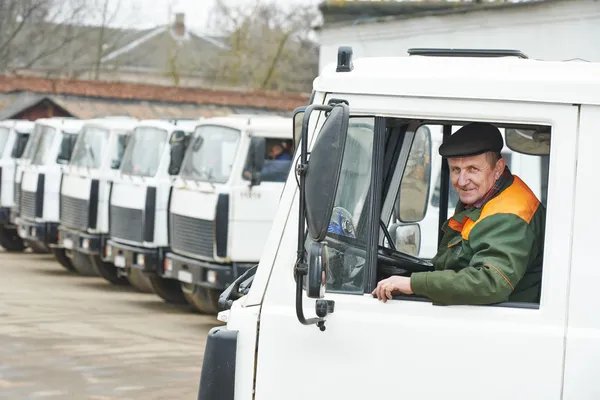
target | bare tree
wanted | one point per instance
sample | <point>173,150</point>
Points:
<point>29,31</point>
<point>269,46</point>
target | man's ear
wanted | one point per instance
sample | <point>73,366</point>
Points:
<point>500,165</point>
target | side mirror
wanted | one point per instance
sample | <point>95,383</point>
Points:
<point>256,156</point>
<point>317,267</point>
<point>326,155</point>
<point>178,145</point>
<point>297,129</point>
<point>411,205</point>
<point>407,238</point>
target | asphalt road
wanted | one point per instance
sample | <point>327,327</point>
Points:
<point>63,336</point>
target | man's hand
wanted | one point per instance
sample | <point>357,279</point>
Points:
<point>391,285</point>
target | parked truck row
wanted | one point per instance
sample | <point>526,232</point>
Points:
<point>179,208</point>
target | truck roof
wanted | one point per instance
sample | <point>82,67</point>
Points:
<point>113,123</point>
<point>257,125</point>
<point>466,77</point>
<point>184,125</point>
<point>67,125</point>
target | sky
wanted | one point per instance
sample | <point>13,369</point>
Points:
<point>148,13</point>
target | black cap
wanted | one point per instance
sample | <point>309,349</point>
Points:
<point>473,139</point>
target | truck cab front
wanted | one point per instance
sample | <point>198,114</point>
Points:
<point>224,201</point>
<point>139,201</point>
<point>84,194</point>
<point>14,135</point>
<point>52,144</point>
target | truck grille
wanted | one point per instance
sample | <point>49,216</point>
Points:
<point>74,213</point>
<point>192,235</point>
<point>17,198</point>
<point>126,223</point>
<point>28,205</point>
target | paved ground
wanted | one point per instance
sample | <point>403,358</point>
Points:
<point>63,336</point>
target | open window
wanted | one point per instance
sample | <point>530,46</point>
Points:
<point>277,159</point>
<point>390,205</point>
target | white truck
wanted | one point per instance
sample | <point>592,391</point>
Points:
<point>304,324</point>
<point>223,202</point>
<point>85,191</point>
<point>14,135</point>
<point>51,146</point>
<point>138,204</point>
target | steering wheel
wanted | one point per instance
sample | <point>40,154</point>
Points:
<point>390,261</point>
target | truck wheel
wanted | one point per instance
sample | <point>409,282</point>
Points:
<point>83,264</point>
<point>38,247</point>
<point>168,289</point>
<point>62,258</point>
<point>10,239</point>
<point>202,299</point>
<point>139,281</point>
<point>107,270</point>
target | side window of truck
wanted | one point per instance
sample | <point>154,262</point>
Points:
<point>278,160</point>
<point>66,148</point>
<point>526,153</point>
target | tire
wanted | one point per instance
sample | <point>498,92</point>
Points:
<point>83,264</point>
<point>62,258</point>
<point>203,300</point>
<point>139,281</point>
<point>168,289</point>
<point>108,271</point>
<point>10,240</point>
<point>38,247</point>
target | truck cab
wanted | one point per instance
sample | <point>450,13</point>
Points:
<point>14,135</point>
<point>305,324</point>
<point>139,202</point>
<point>223,202</point>
<point>84,195</point>
<point>52,143</point>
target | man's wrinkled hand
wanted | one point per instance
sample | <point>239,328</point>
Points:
<point>394,284</point>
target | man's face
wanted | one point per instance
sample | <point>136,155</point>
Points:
<point>276,149</point>
<point>474,176</point>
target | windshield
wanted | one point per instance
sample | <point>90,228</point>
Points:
<point>46,136</point>
<point>144,152</point>
<point>89,147</point>
<point>3,138</point>
<point>212,154</point>
<point>31,145</point>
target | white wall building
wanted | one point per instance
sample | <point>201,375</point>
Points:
<point>542,29</point>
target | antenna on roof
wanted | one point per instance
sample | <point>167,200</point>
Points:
<point>344,59</point>
<point>437,52</point>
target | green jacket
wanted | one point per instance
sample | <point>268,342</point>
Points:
<point>490,254</point>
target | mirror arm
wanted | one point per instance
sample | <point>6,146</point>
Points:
<point>301,268</point>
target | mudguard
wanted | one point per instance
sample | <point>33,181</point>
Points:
<point>217,379</point>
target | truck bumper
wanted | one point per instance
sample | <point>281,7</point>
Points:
<point>43,232</point>
<point>202,273</point>
<point>83,242</point>
<point>125,257</point>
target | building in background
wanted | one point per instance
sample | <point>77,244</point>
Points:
<point>166,55</point>
<point>32,97</point>
<point>542,29</point>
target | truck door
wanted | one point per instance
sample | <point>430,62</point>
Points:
<point>254,202</point>
<point>409,347</point>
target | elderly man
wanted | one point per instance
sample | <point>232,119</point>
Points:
<point>492,247</point>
